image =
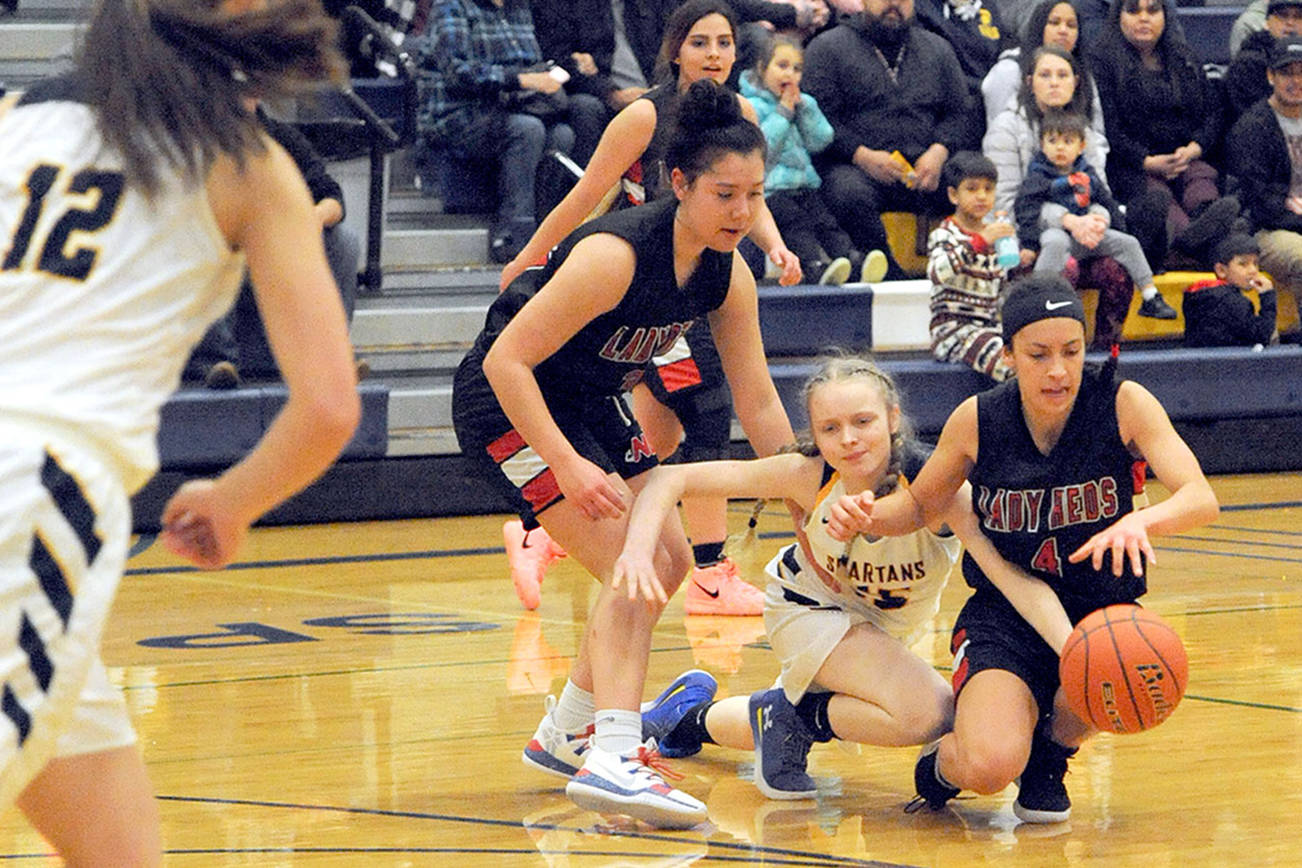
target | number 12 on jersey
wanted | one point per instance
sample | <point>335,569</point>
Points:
<point>98,192</point>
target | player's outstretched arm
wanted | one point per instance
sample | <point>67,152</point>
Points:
<point>1145,427</point>
<point>265,210</point>
<point>1034,600</point>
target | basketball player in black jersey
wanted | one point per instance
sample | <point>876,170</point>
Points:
<point>538,402</point>
<point>1051,456</point>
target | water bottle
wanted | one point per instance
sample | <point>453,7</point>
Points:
<point>1006,253</point>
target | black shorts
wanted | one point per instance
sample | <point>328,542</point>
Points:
<point>602,430</point>
<point>689,380</point>
<point>990,634</point>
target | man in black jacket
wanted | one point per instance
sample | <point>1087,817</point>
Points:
<point>1264,152</point>
<point>1245,79</point>
<point>888,88</point>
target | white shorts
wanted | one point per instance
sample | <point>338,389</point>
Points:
<point>804,634</point>
<point>64,530</point>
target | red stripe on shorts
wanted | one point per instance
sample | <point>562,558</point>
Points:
<point>680,374</point>
<point>960,676</point>
<point>505,446</point>
<point>542,490</point>
<point>957,642</point>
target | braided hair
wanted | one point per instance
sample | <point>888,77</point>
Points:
<point>839,367</point>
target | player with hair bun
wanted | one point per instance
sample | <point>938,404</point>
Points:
<point>538,403</point>
<point>1051,459</point>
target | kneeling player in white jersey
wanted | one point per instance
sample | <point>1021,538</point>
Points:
<point>132,191</point>
<point>839,616</point>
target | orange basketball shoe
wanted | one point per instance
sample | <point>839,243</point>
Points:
<point>530,553</point>
<point>720,590</point>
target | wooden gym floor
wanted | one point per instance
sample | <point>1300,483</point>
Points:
<point>358,695</point>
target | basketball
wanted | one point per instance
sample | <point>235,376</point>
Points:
<point>1123,669</point>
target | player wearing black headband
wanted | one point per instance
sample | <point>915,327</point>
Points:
<point>1054,457</point>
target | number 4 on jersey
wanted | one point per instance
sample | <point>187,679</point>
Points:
<point>1047,560</point>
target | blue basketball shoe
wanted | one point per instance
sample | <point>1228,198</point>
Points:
<point>782,744</point>
<point>661,715</point>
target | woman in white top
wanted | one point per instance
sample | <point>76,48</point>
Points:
<point>1052,22</point>
<point>839,616</point>
<point>1056,79</point>
<point>132,192</point>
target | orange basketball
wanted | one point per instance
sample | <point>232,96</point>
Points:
<point>1123,669</point>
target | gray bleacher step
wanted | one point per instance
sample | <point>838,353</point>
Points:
<point>24,39</point>
<point>406,248</point>
<point>438,281</point>
<point>420,415</point>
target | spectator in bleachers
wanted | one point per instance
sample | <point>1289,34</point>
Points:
<point>794,128</point>
<point>1052,22</point>
<point>698,43</point>
<point>1063,200</point>
<point>1218,313</point>
<point>977,33</point>
<point>887,86</point>
<point>1250,21</point>
<point>235,346</point>
<point>581,37</point>
<point>1264,152</point>
<point>485,99</point>
<point>758,20</point>
<point>1161,121</point>
<point>1245,79</point>
<point>966,275</point>
<point>1055,79</point>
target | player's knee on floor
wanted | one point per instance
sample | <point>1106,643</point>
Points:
<point>988,766</point>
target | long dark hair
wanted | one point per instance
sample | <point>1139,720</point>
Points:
<point>1082,99</point>
<point>1171,45</point>
<point>680,23</point>
<point>1033,35</point>
<point>709,124</point>
<point>167,77</point>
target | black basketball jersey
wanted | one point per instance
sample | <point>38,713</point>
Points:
<point>1037,509</point>
<point>609,355</point>
<point>666,100</point>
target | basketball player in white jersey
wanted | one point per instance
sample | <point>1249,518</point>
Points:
<point>840,617</point>
<point>132,192</point>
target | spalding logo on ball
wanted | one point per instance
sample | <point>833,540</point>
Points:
<point>1123,669</point>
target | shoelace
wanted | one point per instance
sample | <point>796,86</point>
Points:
<point>651,758</point>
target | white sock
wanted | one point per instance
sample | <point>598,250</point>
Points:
<point>575,708</point>
<point>618,731</point>
<point>1148,292</point>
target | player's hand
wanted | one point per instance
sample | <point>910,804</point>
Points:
<point>850,515</point>
<point>638,572</point>
<point>589,488</point>
<point>1127,538</point>
<point>788,262</point>
<point>200,526</point>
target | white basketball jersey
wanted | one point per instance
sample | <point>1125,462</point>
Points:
<point>893,581</point>
<point>102,292</point>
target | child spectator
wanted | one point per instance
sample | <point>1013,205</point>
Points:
<point>1064,205</point>
<point>795,127</point>
<point>1217,313</point>
<point>965,272</point>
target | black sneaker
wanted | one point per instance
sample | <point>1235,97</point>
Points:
<point>931,791</point>
<point>1042,795</point>
<point>1157,308</point>
<point>782,744</point>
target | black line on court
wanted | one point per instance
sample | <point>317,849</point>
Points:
<point>750,849</point>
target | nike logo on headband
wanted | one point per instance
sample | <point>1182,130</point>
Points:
<point>1054,305</point>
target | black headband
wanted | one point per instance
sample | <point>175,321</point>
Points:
<point>1039,297</point>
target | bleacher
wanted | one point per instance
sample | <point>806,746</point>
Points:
<point>1240,411</point>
